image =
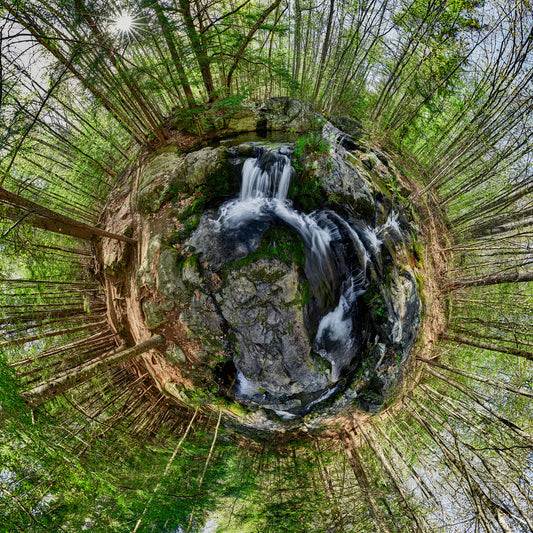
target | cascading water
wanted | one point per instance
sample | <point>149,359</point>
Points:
<point>338,257</point>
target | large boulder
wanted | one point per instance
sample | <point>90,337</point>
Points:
<point>263,305</point>
<point>274,114</point>
<point>169,173</point>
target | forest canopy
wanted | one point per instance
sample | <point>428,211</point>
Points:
<point>89,90</point>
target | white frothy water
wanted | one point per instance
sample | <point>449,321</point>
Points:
<point>337,257</point>
<point>258,182</point>
<point>371,236</point>
<point>245,386</point>
<point>392,225</point>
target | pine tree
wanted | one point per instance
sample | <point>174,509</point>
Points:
<point>88,441</point>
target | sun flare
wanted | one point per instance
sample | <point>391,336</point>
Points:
<point>123,23</point>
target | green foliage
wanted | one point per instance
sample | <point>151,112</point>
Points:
<point>311,144</point>
<point>11,403</point>
<point>305,190</point>
<point>373,299</point>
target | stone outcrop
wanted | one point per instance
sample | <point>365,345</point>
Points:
<point>275,114</point>
<point>168,172</point>
<point>236,316</point>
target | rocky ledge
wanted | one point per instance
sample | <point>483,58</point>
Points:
<point>243,315</point>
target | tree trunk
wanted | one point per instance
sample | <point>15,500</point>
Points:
<point>46,219</point>
<point>513,276</point>
<point>198,49</point>
<point>488,346</point>
<point>248,38</point>
<point>77,375</point>
<point>30,338</point>
<point>176,59</point>
<point>364,484</point>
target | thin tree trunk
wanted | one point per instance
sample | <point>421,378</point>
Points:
<point>488,346</point>
<point>199,50</point>
<point>247,40</point>
<point>49,220</point>
<point>176,59</point>
<point>77,375</point>
<point>364,484</point>
<point>30,338</point>
<point>215,436</point>
<point>476,377</point>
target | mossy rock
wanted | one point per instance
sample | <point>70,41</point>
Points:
<point>244,119</point>
<point>154,317</point>
<point>152,197</point>
<point>169,282</point>
<point>175,355</point>
<point>168,174</point>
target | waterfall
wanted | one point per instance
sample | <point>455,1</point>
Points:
<point>268,176</point>
<point>338,255</point>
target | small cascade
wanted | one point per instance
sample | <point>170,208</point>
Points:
<point>338,255</point>
<point>268,176</point>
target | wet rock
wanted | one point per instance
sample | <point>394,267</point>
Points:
<point>202,319</point>
<point>265,312</point>
<point>257,322</point>
<point>219,248</point>
<point>345,184</point>
<point>246,149</point>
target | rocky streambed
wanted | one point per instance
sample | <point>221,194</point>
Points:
<point>282,274</point>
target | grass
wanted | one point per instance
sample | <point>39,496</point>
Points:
<point>312,143</point>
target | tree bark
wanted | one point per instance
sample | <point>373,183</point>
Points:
<point>488,346</point>
<point>77,375</point>
<point>46,219</point>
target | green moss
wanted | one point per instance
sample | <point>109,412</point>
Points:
<point>237,409</point>
<point>417,253</point>
<point>306,293</point>
<point>218,183</point>
<point>306,189</point>
<point>279,242</point>
<point>196,207</point>
<point>154,316</point>
<point>374,300</point>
